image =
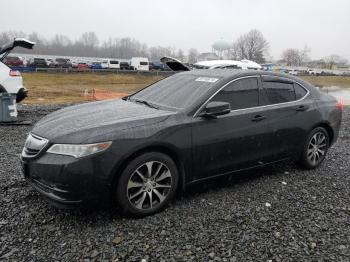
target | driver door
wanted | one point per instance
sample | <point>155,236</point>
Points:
<point>234,141</point>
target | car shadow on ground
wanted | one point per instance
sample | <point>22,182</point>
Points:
<point>237,178</point>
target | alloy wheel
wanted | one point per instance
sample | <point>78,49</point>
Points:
<point>149,185</point>
<point>317,148</point>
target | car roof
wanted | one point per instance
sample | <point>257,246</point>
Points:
<point>230,74</point>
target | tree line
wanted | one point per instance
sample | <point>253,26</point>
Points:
<point>89,45</point>
<point>251,45</point>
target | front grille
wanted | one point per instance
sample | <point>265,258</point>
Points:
<point>31,152</point>
<point>33,145</point>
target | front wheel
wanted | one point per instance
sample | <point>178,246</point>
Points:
<point>315,148</point>
<point>147,184</point>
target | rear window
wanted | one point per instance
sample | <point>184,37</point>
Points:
<point>177,91</point>
<point>114,62</point>
<point>278,92</point>
<point>143,63</point>
<point>300,91</point>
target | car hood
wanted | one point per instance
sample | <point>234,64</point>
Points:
<point>96,121</point>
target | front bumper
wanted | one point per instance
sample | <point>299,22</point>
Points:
<point>66,181</point>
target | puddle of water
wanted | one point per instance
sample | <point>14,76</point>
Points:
<point>342,94</point>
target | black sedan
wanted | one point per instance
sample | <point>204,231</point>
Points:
<point>189,127</point>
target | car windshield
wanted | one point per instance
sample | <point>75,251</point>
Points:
<point>176,92</point>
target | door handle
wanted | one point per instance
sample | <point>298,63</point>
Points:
<point>258,118</point>
<point>302,108</point>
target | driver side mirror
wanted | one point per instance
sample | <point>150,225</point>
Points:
<point>214,109</point>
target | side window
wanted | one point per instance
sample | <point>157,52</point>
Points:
<point>300,91</point>
<point>278,92</point>
<point>243,93</point>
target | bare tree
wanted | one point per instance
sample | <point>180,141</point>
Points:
<point>156,53</point>
<point>192,55</point>
<point>89,39</point>
<point>252,46</point>
<point>296,57</point>
<point>304,54</point>
<point>180,55</point>
<point>333,60</point>
<point>292,57</point>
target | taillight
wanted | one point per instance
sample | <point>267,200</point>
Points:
<point>15,73</point>
<point>339,105</point>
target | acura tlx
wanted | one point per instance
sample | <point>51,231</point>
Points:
<point>140,150</point>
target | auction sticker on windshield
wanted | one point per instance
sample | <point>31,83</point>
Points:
<point>207,79</point>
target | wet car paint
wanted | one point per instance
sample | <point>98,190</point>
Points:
<point>201,147</point>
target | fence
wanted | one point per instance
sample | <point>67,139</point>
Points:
<point>75,70</point>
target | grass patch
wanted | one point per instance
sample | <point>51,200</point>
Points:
<point>58,88</point>
<point>328,81</point>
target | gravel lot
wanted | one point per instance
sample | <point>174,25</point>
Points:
<point>279,213</point>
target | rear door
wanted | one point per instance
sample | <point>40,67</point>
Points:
<point>233,141</point>
<point>287,112</point>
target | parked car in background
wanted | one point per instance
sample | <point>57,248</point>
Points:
<point>63,63</point>
<point>176,65</point>
<point>293,72</point>
<point>158,65</point>
<point>82,66</point>
<point>105,64</point>
<point>50,63</point>
<point>181,130</point>
<point>37,62</point>
<point>11,80</point>
<point>14,61</point>
<point>139,63</point>
<point>110,64</point>
<point>74,64</point>
<point>124,66</point>
<point>96,65</point>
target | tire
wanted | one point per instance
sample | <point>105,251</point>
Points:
<point>136,187</point>
<point>315,148</point>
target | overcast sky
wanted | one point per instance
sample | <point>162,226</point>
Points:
<point>322,25</point>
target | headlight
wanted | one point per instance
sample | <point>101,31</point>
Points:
<point>78,150</point>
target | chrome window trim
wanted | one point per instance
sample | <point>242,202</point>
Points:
<point>249,108</point>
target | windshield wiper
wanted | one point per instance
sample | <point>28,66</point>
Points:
<point>146,103</point>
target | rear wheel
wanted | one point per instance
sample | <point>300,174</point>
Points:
<point>147,184</point>
<point>315,148</point>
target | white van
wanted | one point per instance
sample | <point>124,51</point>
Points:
<point>110,63</point>
<point>139,63</point>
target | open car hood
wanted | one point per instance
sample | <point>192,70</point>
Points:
<point>174,64</point>
<point>17,42</point>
